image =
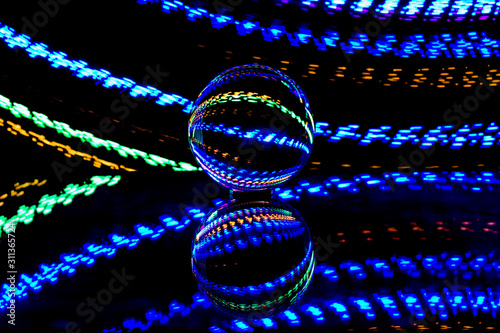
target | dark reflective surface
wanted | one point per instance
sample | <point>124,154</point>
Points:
<point>251,128</point>
<point>253,259</point>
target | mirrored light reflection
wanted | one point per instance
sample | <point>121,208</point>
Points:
<point>251,128</point>
<point>253,259</point>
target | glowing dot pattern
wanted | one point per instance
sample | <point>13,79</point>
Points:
<point>47,202</point>
<point>411,9</point>
<point>484,181</point>
<point>80,69</point>
<point>431,47</point>
<point>480,135</point>
<point>41,120</point>
<point>18,190</point>
<point>40,140</point>
<point>416,304</point>
<point>472,44</point>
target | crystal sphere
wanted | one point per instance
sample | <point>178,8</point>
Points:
<point>251,128</point>
<point>253,259</point>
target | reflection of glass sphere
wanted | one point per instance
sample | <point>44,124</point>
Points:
<point>251,128</point>
<point>253,259</point>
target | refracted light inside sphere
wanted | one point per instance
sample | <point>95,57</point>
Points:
<point>251,128</point>
<point>253,259</point>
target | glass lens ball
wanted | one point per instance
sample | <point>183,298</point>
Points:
<point>253,259</point>
<point>251,128</point>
